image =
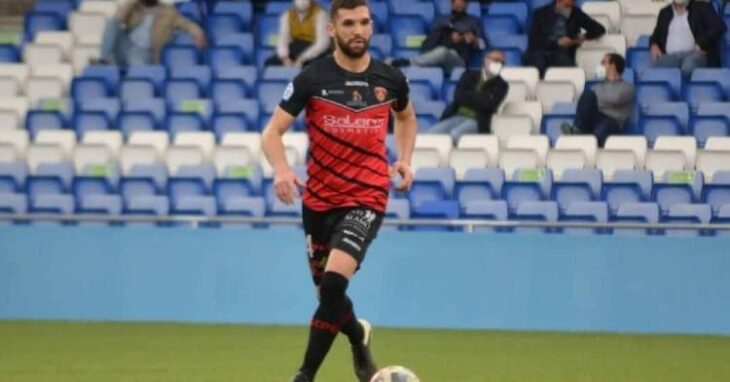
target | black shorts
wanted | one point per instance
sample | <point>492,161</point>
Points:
<point>349,229</point>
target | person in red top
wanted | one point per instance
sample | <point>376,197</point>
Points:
<point>348,100</point>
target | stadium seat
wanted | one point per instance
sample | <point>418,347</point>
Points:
<point>647,213</point>
<point>535,211</point>
<point>219,25</point>
<point>576,76</point>
<point>461,160</point>
<point>36,22</point>
<point>109,74</point>
<point>441,209</point>
<point>551,92</point>
<point>635,25</point>
<point>720,76</point>
<point>242,10</point>
<point>687,214</point>
<point>608,13</point>
<point>158,140</point>
<point>87,28</point>
<point>672,77</point>
<point>687,145</point>
<point>696,93</point>
<point>95,195</point>
<point>627,186</point>
<point>251,141</point>
<point>381,43</point>
<point>560,160</point>
<point>190,191</point>
<point>180,56</point>
<point>132,156</point>
<point>704,127</point>
<point>528,75</point>
<point>201,74</point>
<point>533,109</point>
<point>270,93</point>
<point>90,88</point>
<point>441,143</point>
<point>63,139</point>
<point>112,140</point>
<point>408,31</point>
<point>496,26</point>
<point>479,184</point>
<point>527,185</point>
<point>506,126</point>
<point>137,89</point>
<point>177,91</point>
<point>267,29</point>
<point>142,191</point>
<point>107,8</point>
<point>12,112</point>
<point>495,210</point>
<point>717,192</point>
<point>61,72</point>
<point>157,74</point>
<point>515,9</point>
<point>37,120</point>
<point>585,212</point>
<point>86,121</point>
<point>577,186</point>
<point>677,187</point>
<point>710,162</point>
<point>651,92</point>
<point>431,184</point>
<point>18,140</point>
<point>223,57</point>
<point>539,144</point>
<point>433,77</point>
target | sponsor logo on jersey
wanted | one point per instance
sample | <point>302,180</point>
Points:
<point>357,84</point>
<point>288,92</point>
<point>348,122</point>
<point>381,93</point>
<point>331,92</point>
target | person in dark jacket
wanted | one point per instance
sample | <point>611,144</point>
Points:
<point>478,95</point>
<point>686,36</point>
<point>452,42</point>
<point>555,34</point>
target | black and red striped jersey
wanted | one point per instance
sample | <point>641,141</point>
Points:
<point>347,117</point>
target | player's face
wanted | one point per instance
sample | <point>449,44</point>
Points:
<point>352,29</point>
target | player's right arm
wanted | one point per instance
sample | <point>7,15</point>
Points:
<point>285,179</point>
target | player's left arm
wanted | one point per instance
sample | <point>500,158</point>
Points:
<point>405,131</point>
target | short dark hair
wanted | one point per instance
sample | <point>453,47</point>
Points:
<point>345,4</point>
<point>617,61</point>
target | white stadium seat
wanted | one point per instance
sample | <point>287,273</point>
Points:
<point>661,161</point>
<point>607,11</point>
<point>251,141</point>
<point>179,156</point>
<point>13,110</point>
<point>506,126</point>
<point>18,139</point>
<point>488,143</point>
<point>634,26</point>
<point>137,155</point>
<point>82,54</point>
<point>111,139</point>
<point>518,92</point>
<point>87,155</point>
<point>442,143</point>
<point>19,72</point>
<point>44,153</point>
<point>636,144</point>
<point>540,144</point>
<point>559,160</point>
<point>718,143</point>
<point>42,54</point>
<point>528,75</point>
<point>588,144</point>
<point>204,140</point>
<point>104,7</point>
<point>712,161</point>
<point>159,140</point>
<point>299,142</point>
<point>425,157</point>
<point>63,39</point>
<point>532,109</point>
<point>9,87</point>
<point>576,76</point>
<point>610,161</point>
<point>8,153</point>
<point>551,92</point>
<point>518,159</point>
<point>65,139</point>
<point>63,72</point>
<point>42,88</point>
<point>87,28</point>
<point>463,159</point>
<point>614,42</point>
<point>226,157</point>
<point>687,145</point>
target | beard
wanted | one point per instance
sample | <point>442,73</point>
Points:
<point>347,48</point>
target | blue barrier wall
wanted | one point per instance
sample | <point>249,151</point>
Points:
<point>445,280</point>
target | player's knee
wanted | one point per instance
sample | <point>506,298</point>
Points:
<point>332,288</point>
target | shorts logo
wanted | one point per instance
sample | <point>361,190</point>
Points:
<point>381,93</point>
<point>288,92</point>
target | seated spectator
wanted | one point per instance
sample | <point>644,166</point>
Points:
<point>302,35</point>
<point>452,42</point>
<point>139,31</point>
<point>555,34</point>
<point>686,36</point>
<point>604,109</point>
<point>476,98</point>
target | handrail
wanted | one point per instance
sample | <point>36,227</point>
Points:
<point>468,224</point>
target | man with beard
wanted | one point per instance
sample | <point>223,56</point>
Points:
<point>139,31</point>
<point>349,98</point>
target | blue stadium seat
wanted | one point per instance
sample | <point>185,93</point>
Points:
<point>535,211</point>
<point>639,59</point>
<point>277,7</point>
<point>527,186</point>
<point>177,91</point>
<point>577,186</point>
<point>233,195</point>
<point>242,9</point>
<point>687,214</point>
<point>430,184</point>
<point>60,7</point>
<point>722,217</point>
<point>9,54</point>
<point>678,187</point>
<point>108,73</point>
<point>249,108</point>
<point>143,191</point>
<point>181,38</point>
<point>223,90</point>
<point>202,75</point>
<point>717,192</point>
<point>673,77</point>
<point>650,92</point>
<point>705,127</point>
<point>425,10</point>
<point>221,57</point>
<point>157,74</point>
<point>720,76</point>
<point>496,26</point>
<point>137,89</point>
<point>223,123</point>
<point>644,41</point>
<point>680,110</point>
<point>190,191</point>
<point>90,88</point>
<point>435,209</point>
<point>551,125</point>
<point>191,10</point>
<point>180,56</point>
<point>84,121</point>
<point>661,125</point>
<point>515,9</point>
<point>479,184</point>
<point>41,21</point>
<point>155,107</point>
<point>511,42</point>
<point>434,109</point>
<point>247,74</point>
<point>380,14</point>
<point>433,77</point>
<point>178,122</point>
<point>108,106</point>
<point>267,30</point>
<point>13,203</point>
<point>96,195</point>
<point>12,177</point>
<point>270,93</point>
<point>447,92</point>
<point>279,73</point>
<point>243,41</point>
<point>219,25</point>
<point>701,92</point>
<point>408,31</point>
<point>627,186</point>
<point>131,121</point>
<point>48,190</point>
<point>495,210</point>
<point>585,212</point>
<point>37,120</point>
<point>646,212</point>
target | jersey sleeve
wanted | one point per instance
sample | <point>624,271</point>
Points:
<point>401,93</point>
<point>295,96</point>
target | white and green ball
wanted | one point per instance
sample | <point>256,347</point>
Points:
<point>395,374</point>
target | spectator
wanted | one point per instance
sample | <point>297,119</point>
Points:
<point>604,109</point>
<point>478,95</point>
<point>453,40</point>
<point>139,31</point>
<point>302,35</point>
<point>686,36</point>
<point>555,34</point>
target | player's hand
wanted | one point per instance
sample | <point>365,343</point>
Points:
<point>404,170</point>
<point>656,52</point>
<point>286,185</point>
<point>456,37</point>
<point>286,61</point>
<point>470,38</point>
<point>200,41</point>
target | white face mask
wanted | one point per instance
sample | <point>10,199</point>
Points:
<point>600,72</point>
<point>302,5</point>
<point>494,68</point>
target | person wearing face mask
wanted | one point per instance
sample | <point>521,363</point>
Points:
<point>686,36</point>
<point>555,34</point>
<point>452,42</point>
<point>604,109</point>
<point>139,31</point>
<point>476,98</point>
<point>302,35</point>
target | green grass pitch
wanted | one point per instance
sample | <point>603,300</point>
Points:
<point>110,352</point>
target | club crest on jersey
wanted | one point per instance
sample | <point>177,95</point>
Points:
<point>357,100</point>
<point>381,93</point>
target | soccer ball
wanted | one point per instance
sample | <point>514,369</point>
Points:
<point>395,374</point>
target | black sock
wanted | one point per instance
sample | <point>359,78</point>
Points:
<point>326,322</point>
<point>350,326</point>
